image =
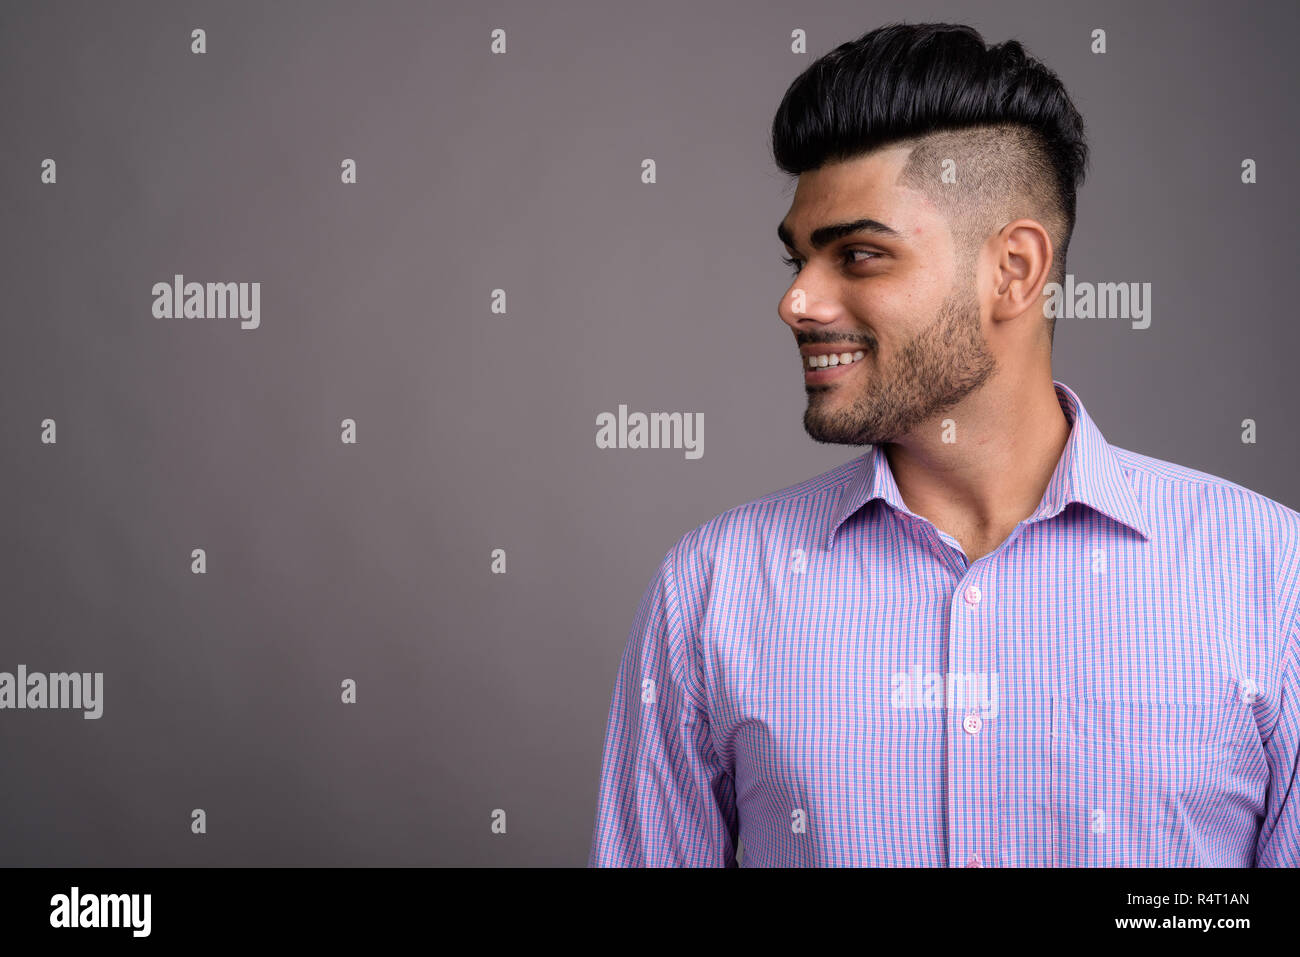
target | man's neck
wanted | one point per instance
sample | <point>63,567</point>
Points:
<point>1006,441</point>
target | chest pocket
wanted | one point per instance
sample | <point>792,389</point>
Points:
<point>1153,783</point>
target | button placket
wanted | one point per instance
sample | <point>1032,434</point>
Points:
<point>972,785</point>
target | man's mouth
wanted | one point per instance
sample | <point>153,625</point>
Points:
<point>834,359</point>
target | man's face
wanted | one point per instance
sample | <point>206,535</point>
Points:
<point>892,292</point>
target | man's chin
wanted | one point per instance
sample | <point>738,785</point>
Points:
<point>837,434</point>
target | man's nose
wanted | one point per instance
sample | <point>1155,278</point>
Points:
<point>802,305</point>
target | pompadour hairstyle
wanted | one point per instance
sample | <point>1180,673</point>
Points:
<point>1004,118</point>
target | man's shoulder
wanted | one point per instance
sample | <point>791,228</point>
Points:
<point>1167,483</point>
<point>800,506</point>
<point>1243,527</point>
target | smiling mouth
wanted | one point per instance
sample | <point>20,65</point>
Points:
<point>833,371</point>
<point>834,359</point>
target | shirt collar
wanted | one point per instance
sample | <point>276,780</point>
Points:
<point>1088,472</point>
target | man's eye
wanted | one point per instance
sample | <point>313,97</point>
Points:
<point>867,255</point>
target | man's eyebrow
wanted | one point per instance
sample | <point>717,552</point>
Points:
<point>825,235</point>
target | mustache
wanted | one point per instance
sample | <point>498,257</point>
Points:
<point>869,345</point>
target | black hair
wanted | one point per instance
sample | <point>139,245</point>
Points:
<point>1005,113</point>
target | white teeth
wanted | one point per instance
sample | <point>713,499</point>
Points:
<point>835,359</point>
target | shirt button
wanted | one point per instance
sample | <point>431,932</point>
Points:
<point>973,594</point>
<point>974,861</point>
<point>972,724</point>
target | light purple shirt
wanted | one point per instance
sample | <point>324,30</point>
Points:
<point>822,675</point>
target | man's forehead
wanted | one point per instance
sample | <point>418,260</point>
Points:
<point>864,188</point>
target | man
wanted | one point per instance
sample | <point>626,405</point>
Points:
<point>994,639</point>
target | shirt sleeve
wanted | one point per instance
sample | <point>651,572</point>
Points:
<point>665,798</point>
<point>1279,837</point>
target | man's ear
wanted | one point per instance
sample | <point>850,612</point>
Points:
<point>1023,258</point>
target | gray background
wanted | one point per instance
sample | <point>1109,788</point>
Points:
<point>476,431</point>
